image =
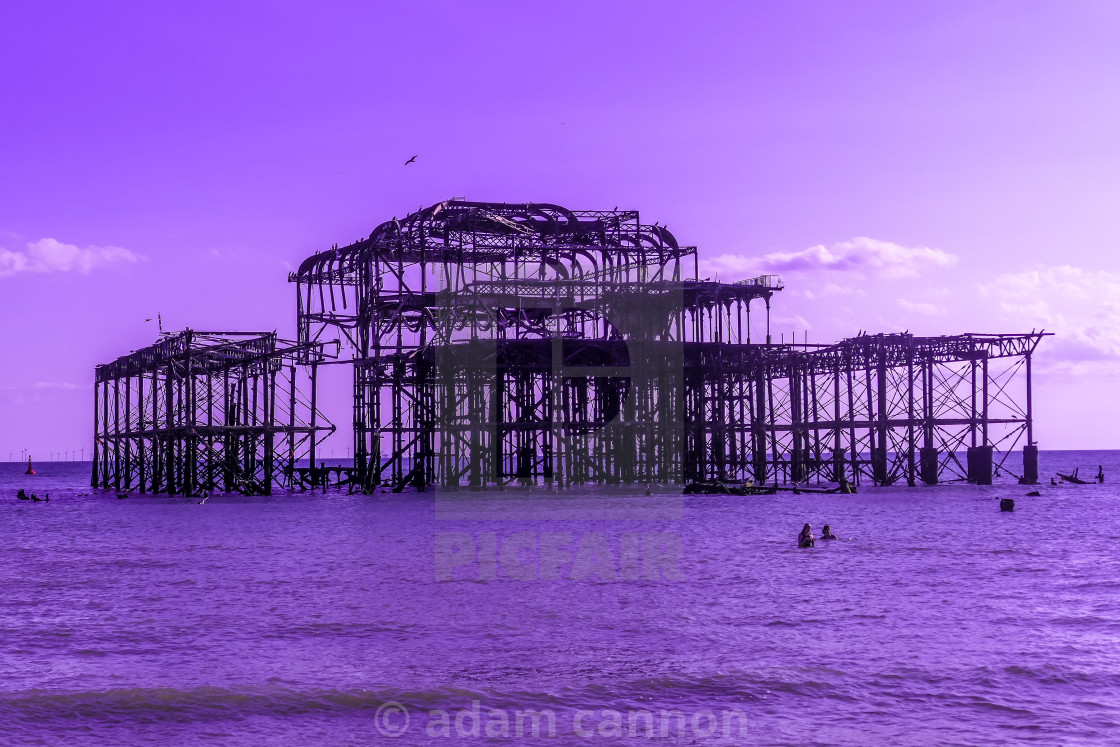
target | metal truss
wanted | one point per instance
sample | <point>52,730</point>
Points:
<point>495,344</point>
<point>498,343</point>
<point>878,408</point>
<point>202,411</point>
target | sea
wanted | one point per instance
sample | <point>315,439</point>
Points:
<point>587,615</point>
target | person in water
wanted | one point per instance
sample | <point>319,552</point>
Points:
<point>806,538</point>
<point>826,533</point>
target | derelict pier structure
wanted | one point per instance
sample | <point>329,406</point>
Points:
<point>495,344</point>
<point>202,411</point>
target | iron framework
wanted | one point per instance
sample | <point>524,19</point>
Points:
<point>201,411</point>
<point>496,343</point>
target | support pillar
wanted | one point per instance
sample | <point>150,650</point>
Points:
<point>879,464</point>
<point>929,457</point>
<point>839,465</point>
<point>980,465</point>
<point>1030,463</point>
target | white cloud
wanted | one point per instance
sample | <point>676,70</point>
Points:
<point>919,307</point>
<point>1074,370</point>
<point>1081,306</point>
<point>51,255</point>
<point>796,321</point>
<point>842,290</point>
<point>861,253</point>
<point>60,385</point>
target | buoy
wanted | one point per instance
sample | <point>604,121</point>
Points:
<point>30,469</point>
<point>1007,504</point>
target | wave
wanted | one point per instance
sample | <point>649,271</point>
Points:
<point>206,703</point>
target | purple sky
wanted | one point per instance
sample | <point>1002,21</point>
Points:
<point>933,166</point>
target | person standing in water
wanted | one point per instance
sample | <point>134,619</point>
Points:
<point>806,538</point>
<point>826,533</point>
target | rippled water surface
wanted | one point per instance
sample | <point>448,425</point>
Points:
<point>936,619</point>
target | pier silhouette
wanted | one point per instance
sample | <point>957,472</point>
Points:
<point>495,344</point>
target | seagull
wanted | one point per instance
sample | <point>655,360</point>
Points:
<point>410,160</point>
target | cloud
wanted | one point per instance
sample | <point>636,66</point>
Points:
<point>861,254</point>
<point>1074,370</point>
<point>51,255</point>
<point>843,290</point>
<point>40,385</point>
<point>919,307</point>
<point>795,321</point>
<point>60,385</point>
<point>1081,306</point>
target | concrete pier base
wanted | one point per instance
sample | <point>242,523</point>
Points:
<point>980,465</point>
<point>1030,463</point>
<point>929,458</point>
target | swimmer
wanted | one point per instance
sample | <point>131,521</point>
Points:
<point>826,533</point>
<point>806,538</point>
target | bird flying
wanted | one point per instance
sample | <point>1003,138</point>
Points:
<point>410,160</point>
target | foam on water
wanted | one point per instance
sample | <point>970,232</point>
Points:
<point>937,619</point>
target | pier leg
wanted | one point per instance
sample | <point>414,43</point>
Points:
<point>1030,463</point>
<point>879,465</point>
<point>929,458</point>
<point>980,465</point>
<point>839,465</point>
